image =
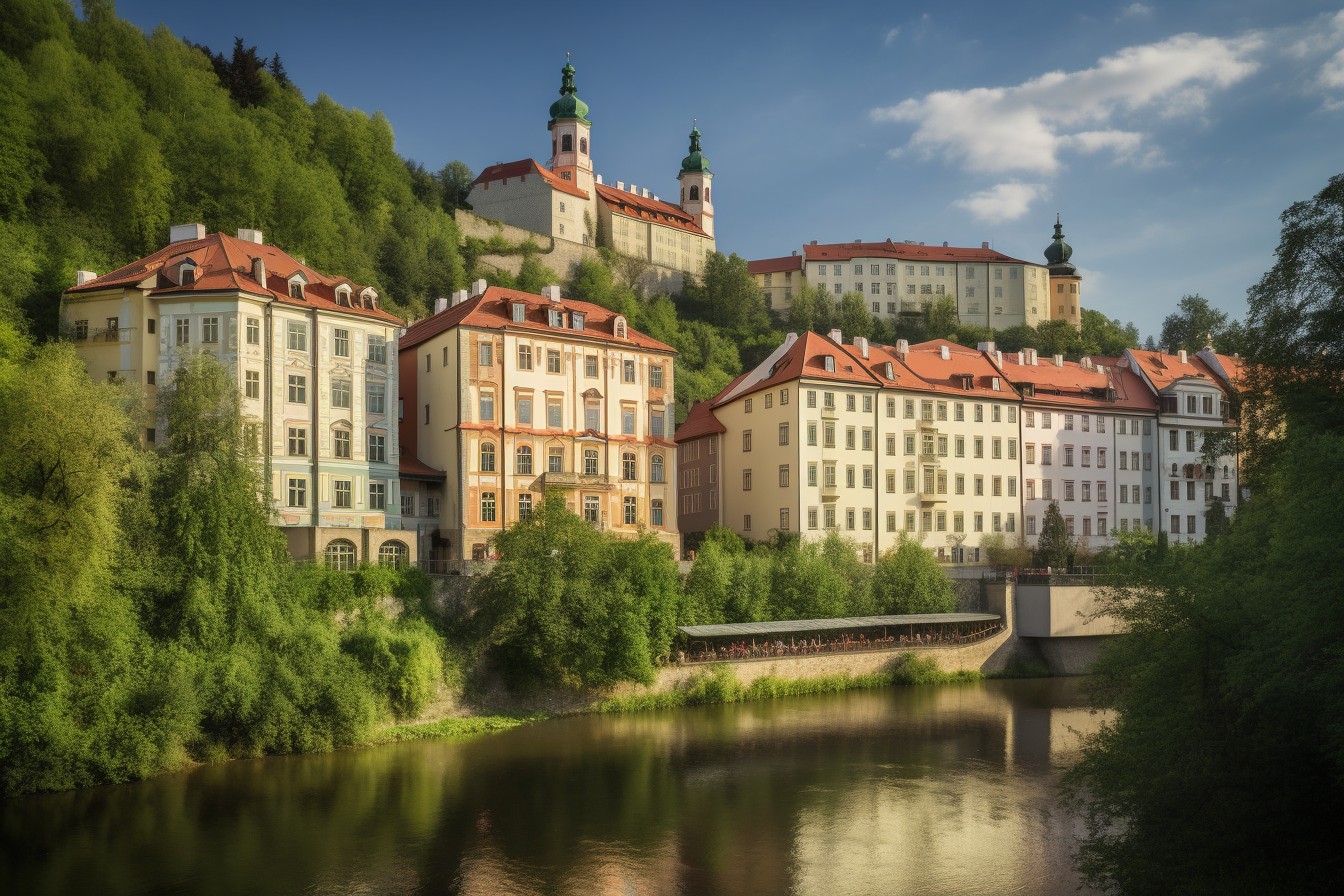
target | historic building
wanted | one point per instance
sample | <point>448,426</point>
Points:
<point>567,200</point>
<point>314,357</point>
<point>699,443</point>
<point>506,394</point>
<point>1066,284</point>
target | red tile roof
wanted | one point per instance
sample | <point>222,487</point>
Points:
<point>907,252</point>
<point>521,169</point>
<point>1074,385</point>
<point>491,310</point>
<point>926,360</point>
<point>1162,370</point>
<point>775,265</point>
<point>699,422</point>
<point>1234,366</point>
<point>807,358</point>
<point>224,264</point>
<point>412,467</point>
<point>654,210</point>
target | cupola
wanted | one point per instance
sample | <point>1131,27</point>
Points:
<point>1057,254</point>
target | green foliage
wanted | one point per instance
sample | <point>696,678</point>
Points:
<point>453,729</point>
<point>1191,325</point>
<point>727,297</point>
<point>1054,546</point>
<point>999,551</point>
<point>852,317</point>
<point>907,579</point>
<point>140,131</point>
<point>1105,337</point>
<point>571,606</point>
<point>1226,749</point>
<point>941,319</point>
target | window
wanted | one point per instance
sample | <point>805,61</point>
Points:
<point>251,386</point>
<point>183,331</point>
<point>377,495</point>
<point>552,361</point>
<point>979,446</point>
<point>522,460</point>
<point>340,393</point>
<point>298,389</point>
<point>627,371</point>
<point>656,512</point>
<point>1068,489</point>
<point>592,416</point>
<point>628,466</point>
<point>830,364</point>
<point>485,354</point>
<point>590,461</point>
<point>783,396</point>
<point>297,332</point>
<point>849,438</point>
<point>590,509</point>
<point>811,398</point>
<point>377,448</point>
<point>555,460</point>
<point>554,413</point>
<point>1068,455</point>
<point>376,398</point>
<point>341,494</point>
<point>340,343</point>
<point>487,507</point>
<point>746,522</point>
<point>298,492</point>
<point>524,357</point>
<point>1174,440</point>
<point>340,443</point>
<point>627,421</point>
<point>377,350</point>
<point>1190,440</point>
<point>630,506</point>
<point>487,457</point>
<point>340,554</point>
<point>487,406</point>
<point>783,433</point>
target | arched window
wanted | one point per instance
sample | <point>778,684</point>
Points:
<point>393,553</point>
<point>656,468</point>
<point>340,554</point>
<point>619,327</point>
<point>590,462</point>
<point>695,193</point>
<point>628,466</point>
<point>1173,470</point>
<point>1224,471</point>
<point>583,145</point>
<point>566,142</point>
<point>706,193</point>
<point>487,457</point>
<point>524,459</point>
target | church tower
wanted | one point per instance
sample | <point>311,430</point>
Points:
<point>695,177</point>
<point>569,127</point>
<point>1066,286</point>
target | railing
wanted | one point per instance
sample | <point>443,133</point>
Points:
<point>455,567</point>
<point>768,651</point>
<point>571,480</point>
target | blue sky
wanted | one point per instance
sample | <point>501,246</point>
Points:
<point>1169,136</point>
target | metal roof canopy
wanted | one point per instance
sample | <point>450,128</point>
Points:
<point>824,625</point>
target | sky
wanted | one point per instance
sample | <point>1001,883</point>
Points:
<point>1169,137</point>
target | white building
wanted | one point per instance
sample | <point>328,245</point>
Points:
<point>314,358</point>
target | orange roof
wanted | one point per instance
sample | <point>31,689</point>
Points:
<point>807,358</point>
<point>1163,370</point>
<point>224,264</point>
<point>906,252</point>
<point>1074,385</point>
<point>521,169</point>
<point>1233,367</point>
<point>699,422</point>
<point>927,363</point>
<point>491,310</point>
<point>655,210</point>
<point>775,265</point>
<point>410,466</point>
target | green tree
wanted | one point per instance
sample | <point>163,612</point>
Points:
<point>456,179</point>
<point>907,579</point>
<point>812,310</point>
<point>941,318</point>
<point>1058,337</point>
<point>1191,325</point>
<point>568,605</point>
<point>728,297</point>
<point>852,316</point>
<point>1108,338</point>
<point>1054,546</point>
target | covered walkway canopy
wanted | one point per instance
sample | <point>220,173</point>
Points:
<point>800,626</point>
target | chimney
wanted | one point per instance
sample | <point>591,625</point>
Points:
<point>477,288</point>
<point>862,345</point>
<point>985,347</point>
<point>836,337</point>
<point>1085,362</point>
<point>1059,360</point>
<point>814,242</point>
<point>249,236</point>
<point>179,232</point>
<point>984,245</point>
<point>82,277</point>
<point>644,192</point>
<point>634,189</point>
<point>944,244</point>
<point>440,306</point>
<point>620,185</point>
<point>458,298</point>
<point>998,359</point>
<point>944,352</point>
<point>1185,359</point>
<point>552,293</point>
<point>902,347</point>
<point>599,179</point>
<point>259,272</point>
<point>1021,359</point>
<point>1031,356</point>
<point>795,253</point>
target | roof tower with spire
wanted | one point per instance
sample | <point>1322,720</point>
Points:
<point>569,106</point>
<point>1057,254</point>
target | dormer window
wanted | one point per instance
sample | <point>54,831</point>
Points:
<point>967,382</point>
<point>619,327</point>
<point>994,384</point>
<point>188,276</point>
<point>296,284</point>
<point>576,320</point>
<point>519,310</point>
<point>830,363</point>
<point>555,317</point>
<point>368,298</point>
<point>891,371</point>
<point>343,296</point>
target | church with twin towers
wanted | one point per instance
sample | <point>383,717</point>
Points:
<point>566,200</point>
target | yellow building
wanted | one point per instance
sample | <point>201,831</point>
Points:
<point>311,354</point>
<point>508,394</point>
<point>1066,285</point>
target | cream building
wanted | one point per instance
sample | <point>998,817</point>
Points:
<point>871,442</point>
<point>565,199</point>
<point>506,394</point>
<point>314,360</point>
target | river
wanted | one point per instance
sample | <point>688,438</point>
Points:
<point>947,789</point>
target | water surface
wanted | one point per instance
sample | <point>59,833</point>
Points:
<point>931,790</point>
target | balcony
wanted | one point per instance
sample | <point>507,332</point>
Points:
<point>932,498</point>
<point>830,492</point>
<point>107,334</point>
<point>830,412</point>
<point>588,481</point>
<point>927,425</point>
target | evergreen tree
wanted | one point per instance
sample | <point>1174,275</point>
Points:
<point>1054,546</point>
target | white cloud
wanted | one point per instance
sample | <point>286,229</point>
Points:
<point>1332,73</point>
<point>1002,202</point>
<point>891,37</point>
<point>1135,9</point>
<point>1024,128</point>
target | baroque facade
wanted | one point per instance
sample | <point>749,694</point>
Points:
<point>314,358</point>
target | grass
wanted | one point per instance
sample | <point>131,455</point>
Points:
<point>457,729</point>
<point>719,684</point>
